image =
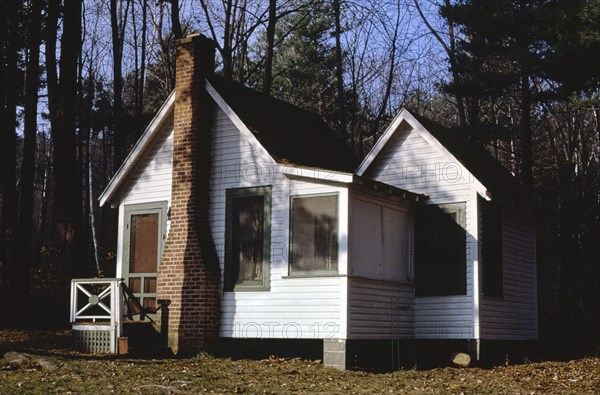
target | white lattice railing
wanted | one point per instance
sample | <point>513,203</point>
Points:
<point>96,305</point>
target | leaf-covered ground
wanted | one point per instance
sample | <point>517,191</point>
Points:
<point>42,363</point>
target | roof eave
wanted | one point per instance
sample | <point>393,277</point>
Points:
<point>316,174</point>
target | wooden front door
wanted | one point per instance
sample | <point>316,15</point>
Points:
<point>145,234</point>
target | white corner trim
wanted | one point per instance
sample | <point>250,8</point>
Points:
<point>137,151</point>
<point>316,174</point>
<point>475,262</point>
<point>381,143</point>
<point>237,122</point>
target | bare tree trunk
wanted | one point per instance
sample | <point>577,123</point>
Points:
<point>81,160</point>
<point>165,51</point>
<point>90,172</point>
<point>67,179</point>
<point>390,78</point>
<point>8,147</point>
<point>451,53</point>
<point>32,78</point>
<point>241,40</point>
<point>339,72</point>
<point>175,22</point>
<point>139,49</point>
<point>140,99</point>
<point>136,71</point>
<point>117,24</point>
<point>50,55</point>
<point>227,41</point>
<point>44,203</point>
<point>268,80</point>
<point>526,144</point>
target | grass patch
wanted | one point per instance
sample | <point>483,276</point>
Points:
<point>51,367</point>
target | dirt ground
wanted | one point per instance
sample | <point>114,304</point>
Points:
<point>42,363</point>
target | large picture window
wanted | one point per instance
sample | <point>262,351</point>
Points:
<point>314,234</point>
<point>441,262</point>
<point>248,239</point>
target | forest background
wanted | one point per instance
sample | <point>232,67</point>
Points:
<point>80,80</point>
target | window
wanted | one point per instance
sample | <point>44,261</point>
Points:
<point>248,239</point>
<point>491,248</point>
<point>440,250</point>
<point>314,234</point>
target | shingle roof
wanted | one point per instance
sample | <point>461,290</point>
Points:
<point>290,134</point>
<point>496,178</point>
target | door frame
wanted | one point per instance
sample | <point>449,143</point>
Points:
<point>160,208</point>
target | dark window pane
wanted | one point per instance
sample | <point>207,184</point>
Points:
<point>143,249</point>
<point>247,238</point>
<point>314,234</point>
<point>150,285</point>
<point>440,238</point>
<point>135,285</point>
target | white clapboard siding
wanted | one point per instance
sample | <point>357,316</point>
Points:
<point>293,307</point>
<point>380,289</point>
<point>409,162</point>
<point>514,316</point>
<point>380,309</point>
<point>151,180</point>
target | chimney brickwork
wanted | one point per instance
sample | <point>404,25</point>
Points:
<point>188,279</point>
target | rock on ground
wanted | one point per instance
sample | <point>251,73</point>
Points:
<point>460,359</point>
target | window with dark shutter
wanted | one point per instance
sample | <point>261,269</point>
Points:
<point>440,250</point>
<point>314,234</point>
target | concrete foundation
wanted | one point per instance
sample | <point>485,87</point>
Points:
<point>335,353</point>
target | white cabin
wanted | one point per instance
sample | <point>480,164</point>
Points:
<point>419,241</point>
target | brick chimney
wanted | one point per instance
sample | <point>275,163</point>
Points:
<point>188,279</point>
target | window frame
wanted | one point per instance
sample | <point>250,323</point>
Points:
<point>312,273</point>
<point>161,208</point>
<point>231,194</point>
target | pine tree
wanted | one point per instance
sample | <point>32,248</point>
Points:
<point>499,57</point>
<point>304,67</point>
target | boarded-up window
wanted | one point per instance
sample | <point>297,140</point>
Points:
<point>143,251</point>
<point>440,250</point>
<point>248,242</point>
<point>314,229</point>
<point>491,248</point>
<point>380,242</point>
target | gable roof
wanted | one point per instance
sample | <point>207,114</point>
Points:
<point>291,135</point>
<point>478,161</point>
<point>488,172</point>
